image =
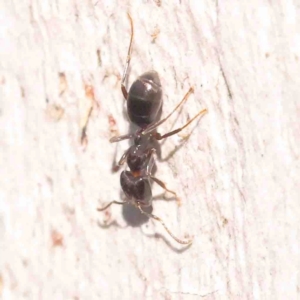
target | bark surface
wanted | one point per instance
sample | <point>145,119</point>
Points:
<point>237,174</point>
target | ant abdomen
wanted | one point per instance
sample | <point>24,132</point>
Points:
<point>144,101</point>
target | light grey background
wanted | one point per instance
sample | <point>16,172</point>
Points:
<point>237,175</point>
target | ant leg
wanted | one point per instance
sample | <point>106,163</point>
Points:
<point>154,125</point>
<point>119,138</point>
<point>123,158</point>
<point>184,242</point>
<point>123,88</point>
<point>109,204</point>
<point>160,137</point>
<point>163,185</point>
<point>150,163</point>
<point>158,181</point>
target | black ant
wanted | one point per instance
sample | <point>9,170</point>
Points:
<point>144,105</point>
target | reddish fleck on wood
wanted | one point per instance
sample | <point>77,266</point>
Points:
<point>112,125</point>
<point>63,84</point>
<point>113,132</point>
<point>89,93</point>
<point>22,92</point>
<point>84,138</point>
<point>99,58</point>
<point>112,121</point>
<point>57,239</point>
<point>155,34</point>
<point>225,221</point>
<point>54,112</point>
<point>108,216</point>
<point>158,2</point>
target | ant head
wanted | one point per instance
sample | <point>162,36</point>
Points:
<point>136,188</point>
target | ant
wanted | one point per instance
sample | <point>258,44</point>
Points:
<point>144,106</point>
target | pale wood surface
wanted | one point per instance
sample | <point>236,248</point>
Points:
<point>238,175</point>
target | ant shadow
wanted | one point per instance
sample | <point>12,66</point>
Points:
<point>134,218</point>
<point>168,243</point>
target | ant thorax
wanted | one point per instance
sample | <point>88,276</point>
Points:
<point>140,153</point>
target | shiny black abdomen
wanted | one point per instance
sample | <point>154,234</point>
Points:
<point>144,101</point>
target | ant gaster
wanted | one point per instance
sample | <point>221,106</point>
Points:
<point>144,104</point>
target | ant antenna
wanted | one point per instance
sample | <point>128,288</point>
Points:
<point>124,91</point>
<point>109,204</point>
<point>154,125</point>
<point>186,242</point>
<point>158,136</point>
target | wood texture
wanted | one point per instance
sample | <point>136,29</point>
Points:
<point>238,174</point>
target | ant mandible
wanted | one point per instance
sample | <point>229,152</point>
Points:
<point>144,105</point>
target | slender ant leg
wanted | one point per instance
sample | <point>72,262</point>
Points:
<point>150,163</point>
<point>123,158</point>
<point>123,88</point>
<point>116,139</point>
<point>109,204</point>
<point>158,181</point>
<point>163,185</point>
<point>184,242</point>
<point>160,137</point>
<point>156,124</point>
